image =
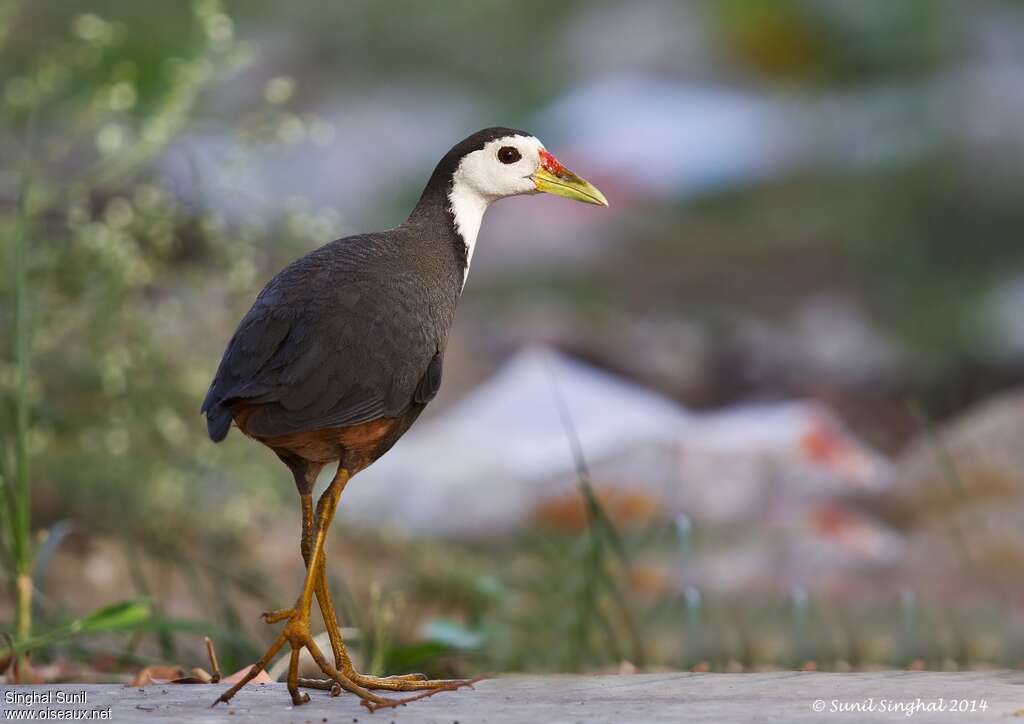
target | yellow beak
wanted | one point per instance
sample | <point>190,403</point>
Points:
<point>551,177</point>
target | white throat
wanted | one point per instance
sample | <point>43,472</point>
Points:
<point>483,177</point>
<point>468,207</point>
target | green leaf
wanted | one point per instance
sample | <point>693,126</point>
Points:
<point>118,617</point>
<point>413,656</point>
<point>451,634</point>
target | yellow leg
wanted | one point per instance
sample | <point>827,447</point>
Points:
<point>342,660</point>
<point>323,595</point>
<point>297,634</point>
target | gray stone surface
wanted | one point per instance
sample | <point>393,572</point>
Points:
<point>670,697</point>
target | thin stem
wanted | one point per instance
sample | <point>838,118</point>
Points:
<point>20,517</point>
<point>948,470</point>
<point>600,527</point>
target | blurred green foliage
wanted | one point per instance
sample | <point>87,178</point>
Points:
<point>110,394</point>
<point>836,43</point>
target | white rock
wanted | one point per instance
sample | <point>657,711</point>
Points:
<point>484,466</point>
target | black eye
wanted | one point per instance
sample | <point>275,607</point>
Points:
<point>509,154</point>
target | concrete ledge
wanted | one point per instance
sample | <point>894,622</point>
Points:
<point>672,697</point>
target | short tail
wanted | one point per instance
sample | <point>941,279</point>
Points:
<point>218,419</point>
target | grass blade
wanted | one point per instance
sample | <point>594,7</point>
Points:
<point>118,617</point>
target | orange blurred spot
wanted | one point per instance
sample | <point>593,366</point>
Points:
<point>831,520</point>
<point>823,444</point>
<point>626,508</point>
<point>649,580</point>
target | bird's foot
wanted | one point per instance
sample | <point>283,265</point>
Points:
<point>398,682</point>
<point>297,635</point>
<point>405,682</point>
<point>369,683</point>
<point>409,682</point>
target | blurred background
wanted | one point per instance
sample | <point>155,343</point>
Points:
<point>764,412</point>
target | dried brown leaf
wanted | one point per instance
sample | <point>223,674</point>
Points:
<point>260,678</point>
<point>198,676</point>
<point>159,674</point>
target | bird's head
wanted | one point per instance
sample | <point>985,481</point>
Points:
<point>490,165</point>
<point>511,163</point>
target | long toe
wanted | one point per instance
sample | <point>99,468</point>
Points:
<point>368,682</point>
<point>407,677</point>
<point>323,684</point>
<point>410,682</point>
<point>281,614</point>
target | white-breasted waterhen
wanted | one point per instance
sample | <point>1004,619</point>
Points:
<point>344,348</point>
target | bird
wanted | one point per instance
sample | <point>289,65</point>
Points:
<point>341,352</point>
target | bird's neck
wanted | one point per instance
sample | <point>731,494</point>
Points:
<point>458,208</point>
<point>467,208</point>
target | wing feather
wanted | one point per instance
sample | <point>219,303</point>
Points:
<point>324,346</point>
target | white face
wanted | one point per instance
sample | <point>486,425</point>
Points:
<point>501,168</point>
<point>509,166</point>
